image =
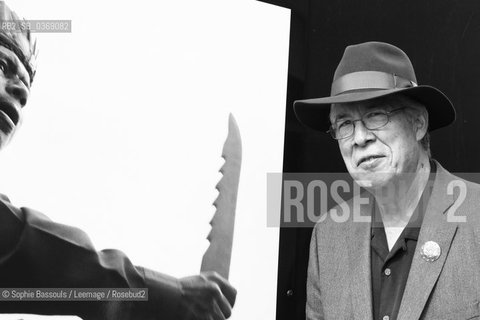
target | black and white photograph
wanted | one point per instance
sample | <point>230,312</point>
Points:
<point>239,159</point>
<point>111,178</point>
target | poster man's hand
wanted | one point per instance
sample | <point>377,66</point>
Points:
<point>208,296</point>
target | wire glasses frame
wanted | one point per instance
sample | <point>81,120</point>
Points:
<point>371,120</point>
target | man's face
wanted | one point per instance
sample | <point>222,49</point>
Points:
<point>375,157</point>
<point>14,92</point>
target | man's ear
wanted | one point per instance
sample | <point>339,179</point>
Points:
<point>421,125</point>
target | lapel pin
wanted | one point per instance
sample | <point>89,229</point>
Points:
<point>431,251</point>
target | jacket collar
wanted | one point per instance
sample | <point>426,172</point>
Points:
<point>436,227</point>
<point>423,275</point>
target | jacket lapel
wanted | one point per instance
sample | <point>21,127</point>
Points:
<point>423,275</point>
<point>359,260</point>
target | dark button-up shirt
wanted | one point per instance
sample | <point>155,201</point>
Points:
<point>390,269</point>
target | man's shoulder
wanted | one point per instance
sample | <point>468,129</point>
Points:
<point>4,198</point>
<point>465,193</point>
<point>23,218</point>
<point>7,209</point>
<point>460,184</point>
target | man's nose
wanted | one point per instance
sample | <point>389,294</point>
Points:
<point>17,89</point>
<point>361,135</point>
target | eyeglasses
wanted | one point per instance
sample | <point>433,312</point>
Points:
<point>343,129</point>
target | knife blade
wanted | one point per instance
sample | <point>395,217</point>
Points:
<point>218,255</point>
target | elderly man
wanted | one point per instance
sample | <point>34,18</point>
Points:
<point>410,249</point>
<point>38,253</point>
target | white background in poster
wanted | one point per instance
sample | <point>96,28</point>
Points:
<point>127,117</point>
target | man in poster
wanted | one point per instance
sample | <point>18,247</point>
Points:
<point>38,253</point>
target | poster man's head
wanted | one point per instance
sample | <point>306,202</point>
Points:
<point>17,70</point>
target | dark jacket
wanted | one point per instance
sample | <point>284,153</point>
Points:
<point>36,252</point>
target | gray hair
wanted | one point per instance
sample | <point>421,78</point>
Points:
<point>414,109</point>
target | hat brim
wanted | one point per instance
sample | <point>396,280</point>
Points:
<point>314,113</point>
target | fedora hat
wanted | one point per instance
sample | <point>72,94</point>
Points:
<point>372,70</point>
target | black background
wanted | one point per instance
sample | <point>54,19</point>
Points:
<point>442,39</point>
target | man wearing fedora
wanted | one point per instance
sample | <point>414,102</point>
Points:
<point>410,250</point>
<point>36,252</point>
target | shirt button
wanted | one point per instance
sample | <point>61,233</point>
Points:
<point>386,318</point>
<point>387,271</point>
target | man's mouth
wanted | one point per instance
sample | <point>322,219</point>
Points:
<point>368,159</point>
<point>9,112</point>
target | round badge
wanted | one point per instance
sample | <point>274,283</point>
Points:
<point>431,251</point>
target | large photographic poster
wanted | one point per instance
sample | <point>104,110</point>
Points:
<point>125,124</point>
